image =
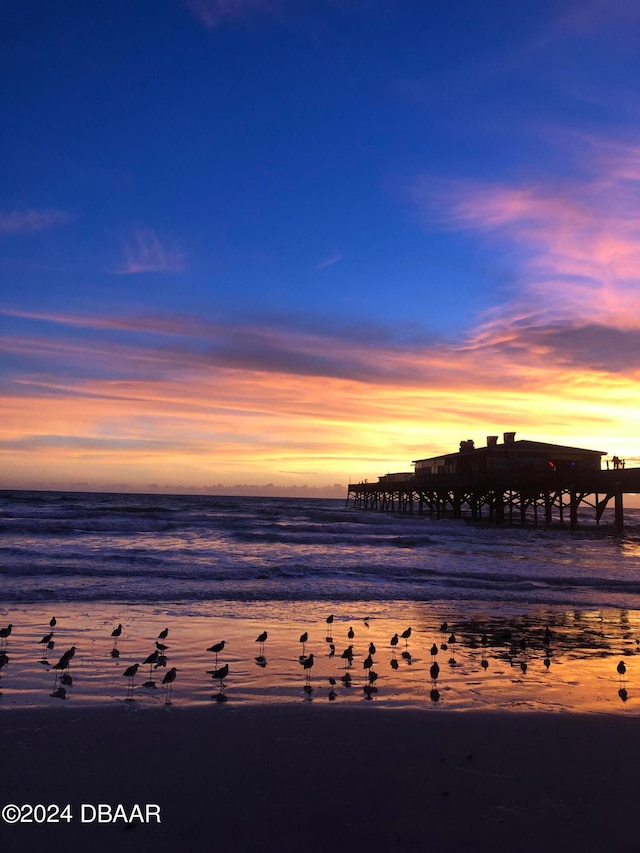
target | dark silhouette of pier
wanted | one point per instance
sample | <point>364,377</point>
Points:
<point>514,482</point>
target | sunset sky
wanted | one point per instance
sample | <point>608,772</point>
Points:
<point>303,242</point>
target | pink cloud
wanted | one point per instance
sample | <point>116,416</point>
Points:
<point>25,221</point>
<point>145,253</point>
<point>574,245</point>
<point>212,13</point>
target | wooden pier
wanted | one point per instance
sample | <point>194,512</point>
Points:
<point>465,484</point>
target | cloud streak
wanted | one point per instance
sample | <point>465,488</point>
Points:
<point>31,221</point>
<point>144,253</point>
<point>213,13</point>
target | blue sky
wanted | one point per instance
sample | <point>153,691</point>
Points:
<point>275,241</point>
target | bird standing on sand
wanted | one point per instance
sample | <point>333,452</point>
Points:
<point>130,673</point>
<point>405,636</point>
<point>303,639</point>
<point>621,670</point>
<point>306,665</point>
<point>216,648</point>
<point>261,638</point>
<point>151,659</point>
<point>163,634</point>
<point>4,634</point>
<point>394,640</point>
<point>220,674</point>
<point>116,634</point>
<point>351,633</point>
<point>53,622</point>
<point>168,680</point>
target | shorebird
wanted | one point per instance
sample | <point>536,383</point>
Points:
<point>367,663</point>
<point>161,647</point>
<point>163,634</point>
<point>168,680</point>
<point>4,634</point>
<point>130,673</point>
<point>303,639</point>
<point>151,659</point>
<point>4,659</point>
<point>372,649</point>
<point>52,622</point>
<point>329,620</point>
<point>306,665</point>
<point>434,650</point>
<point>216,648</point>
<point>405,636</point>
<point>220,674</point>
<point>394,640</point>
<point>116,633</point>
<point>46,640</point>
<point>351,633</point>
<point>434,671</point>
<point>621,670</point>
<point>347,655</point>
<point>261,638</point>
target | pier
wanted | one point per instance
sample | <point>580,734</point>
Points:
<point>524,482</point>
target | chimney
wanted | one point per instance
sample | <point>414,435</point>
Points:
<point>492,440</point>
<point>509,437</point>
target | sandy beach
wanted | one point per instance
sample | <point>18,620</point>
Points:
<point>305,777</point>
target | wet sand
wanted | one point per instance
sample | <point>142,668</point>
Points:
<point>324,777</point>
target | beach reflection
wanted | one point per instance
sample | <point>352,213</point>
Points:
<point>396,654</point>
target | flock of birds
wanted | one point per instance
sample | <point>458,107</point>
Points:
<point>157,658</point>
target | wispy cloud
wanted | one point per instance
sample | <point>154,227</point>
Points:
<point>25,221</point>
<point>144,252</point>
<point>573,244</point>
<point>212,13</point>
<point>328,262</point>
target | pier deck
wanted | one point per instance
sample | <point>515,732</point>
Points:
<point>540,499</point>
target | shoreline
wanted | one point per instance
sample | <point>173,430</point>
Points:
<point>287,778</point>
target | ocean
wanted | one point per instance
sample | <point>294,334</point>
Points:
<point>242,564</point>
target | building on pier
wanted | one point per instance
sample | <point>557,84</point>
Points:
<point>527,481</point>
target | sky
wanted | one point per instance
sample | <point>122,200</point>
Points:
<point>277,246</point>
